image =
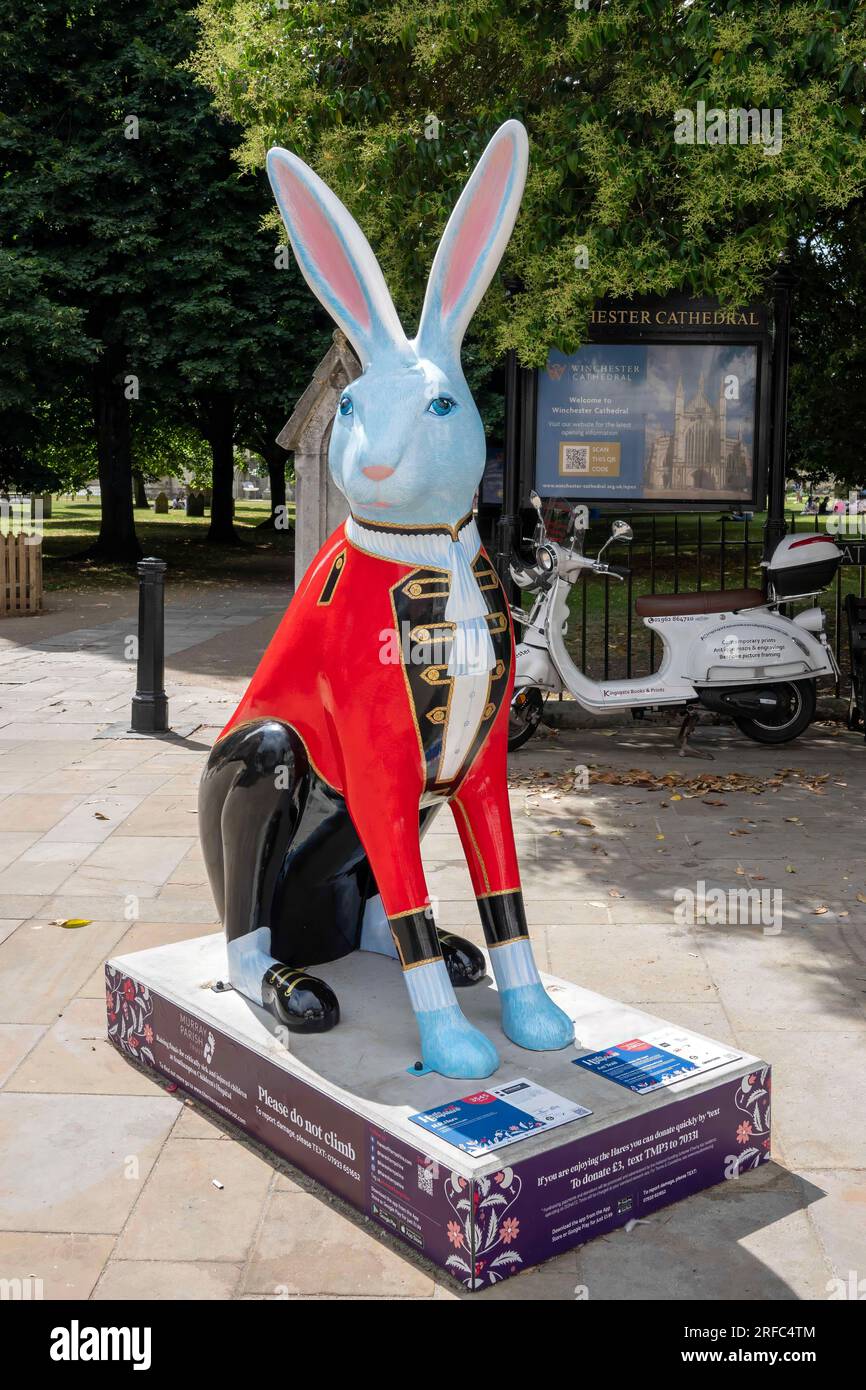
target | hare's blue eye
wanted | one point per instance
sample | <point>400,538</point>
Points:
<point>346,407</point>
<point>442,405</point>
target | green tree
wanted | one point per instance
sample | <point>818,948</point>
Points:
<point>393,103</point>
<point>90,125</point>
<point>827,421</point>
<point>243,339</point>
<point>42,346</point>
<point>302,336</point>
<point>130,253</point>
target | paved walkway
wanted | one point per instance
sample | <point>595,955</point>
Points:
<point>107,1180</point>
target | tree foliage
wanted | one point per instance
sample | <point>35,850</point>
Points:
<point>357,87</point>
<point>139,298</point>
<point>827,421</point>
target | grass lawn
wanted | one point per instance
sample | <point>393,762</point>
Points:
<point>262,556</point>
<point>685,551</point>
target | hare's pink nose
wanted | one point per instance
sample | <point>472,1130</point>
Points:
<point>377,472</point>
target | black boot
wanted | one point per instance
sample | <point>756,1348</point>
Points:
<point>299,1001</point>
<point>465,963</point>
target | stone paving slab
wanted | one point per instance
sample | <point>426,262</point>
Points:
<point>137,1280</point>
<point>182,1215</point>
<point>77,1162</point>
<point>69,1265</point>
<point>602,901</point>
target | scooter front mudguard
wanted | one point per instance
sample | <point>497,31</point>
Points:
<point>760,648</point>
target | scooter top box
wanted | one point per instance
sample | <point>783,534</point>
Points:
<point>338,1106</point>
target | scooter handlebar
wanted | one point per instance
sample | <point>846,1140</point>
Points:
<point>614,571</point>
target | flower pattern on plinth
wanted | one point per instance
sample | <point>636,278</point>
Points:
<point>483,1206</point>
<point>130,1009</point>
<point>752,1098</point>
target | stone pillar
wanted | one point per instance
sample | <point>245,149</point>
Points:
<point>319,505</point>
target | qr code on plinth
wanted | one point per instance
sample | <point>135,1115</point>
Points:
<point>575,458</point>
<point>427,1173</point>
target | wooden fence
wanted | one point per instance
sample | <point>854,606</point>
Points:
<point>20,575</point>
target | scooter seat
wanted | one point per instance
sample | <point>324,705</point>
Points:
<point>707,601</point>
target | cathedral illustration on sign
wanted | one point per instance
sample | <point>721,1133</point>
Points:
<point>698,458</point>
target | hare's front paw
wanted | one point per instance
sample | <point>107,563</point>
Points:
<point>451,1046</point>
<point>531,1019</point>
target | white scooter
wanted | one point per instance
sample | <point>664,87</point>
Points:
<point>730,651</point>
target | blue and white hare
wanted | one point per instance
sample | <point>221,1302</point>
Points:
<point>385,692</point>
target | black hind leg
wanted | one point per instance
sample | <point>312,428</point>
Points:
<point>271,830</point>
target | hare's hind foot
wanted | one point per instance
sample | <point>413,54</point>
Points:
<point>463,960</point>
<point>299,1001</point>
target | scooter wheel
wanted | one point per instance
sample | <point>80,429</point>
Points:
<point>790,720</point>
<point>525,716</point>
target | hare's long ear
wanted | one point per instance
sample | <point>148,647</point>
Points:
<point>474,240</point>
<point>334,257</point>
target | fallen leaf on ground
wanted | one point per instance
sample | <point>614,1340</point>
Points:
<point>792,778</point>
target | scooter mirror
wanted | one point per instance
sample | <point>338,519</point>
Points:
<point>536,501</point>
<point>621,531</point>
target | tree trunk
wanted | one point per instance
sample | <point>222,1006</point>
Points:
<point>276,459</point>
<point>219,416</point>
<point>141,502</point>
<point>117,540</point>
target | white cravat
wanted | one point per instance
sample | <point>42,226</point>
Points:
<point>472,650</point>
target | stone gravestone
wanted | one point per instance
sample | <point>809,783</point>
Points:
<point>161,504</point>
<point>195,504</point>
<point>319,506</point>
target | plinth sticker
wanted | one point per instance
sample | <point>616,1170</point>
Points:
<point>491,1119</point>
<point>657,1059</point>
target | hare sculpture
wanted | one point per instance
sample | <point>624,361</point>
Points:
<point>385,692</point>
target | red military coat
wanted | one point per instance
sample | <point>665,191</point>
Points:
<point>340,670</point>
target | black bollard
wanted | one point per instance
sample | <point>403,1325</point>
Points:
<point>150,702</point>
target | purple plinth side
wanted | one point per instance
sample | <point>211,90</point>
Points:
<point>481,1229</point>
